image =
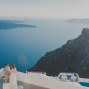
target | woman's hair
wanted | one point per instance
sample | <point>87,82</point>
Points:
<point>6,64</point>
<point>13,66</point>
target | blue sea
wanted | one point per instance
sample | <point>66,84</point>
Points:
<point>25,46</point>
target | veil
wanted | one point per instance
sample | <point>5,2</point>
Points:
<point>1,73</point>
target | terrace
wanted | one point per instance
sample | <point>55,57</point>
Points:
<point>25,85</point>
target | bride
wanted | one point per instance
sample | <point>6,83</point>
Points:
<point>13,78</point>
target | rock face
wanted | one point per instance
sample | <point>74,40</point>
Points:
<point>85,35</point>
<point>71,57</point>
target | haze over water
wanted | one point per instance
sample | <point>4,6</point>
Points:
<point>25,46</point>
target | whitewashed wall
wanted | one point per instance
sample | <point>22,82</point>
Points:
<point>47,82</point>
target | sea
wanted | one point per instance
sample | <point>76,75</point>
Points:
<point>25,46</point>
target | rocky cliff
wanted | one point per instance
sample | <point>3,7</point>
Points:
<point>71,57</point>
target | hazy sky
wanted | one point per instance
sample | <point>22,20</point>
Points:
<point>45,8</point>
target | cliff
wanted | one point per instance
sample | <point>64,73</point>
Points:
<point>71,57</point>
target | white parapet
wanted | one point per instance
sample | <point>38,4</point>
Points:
<point>43,80</point>
<point>47,82</point>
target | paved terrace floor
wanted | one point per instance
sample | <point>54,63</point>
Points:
<point>25,85</point>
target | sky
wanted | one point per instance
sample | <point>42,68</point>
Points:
<point>45,8</point>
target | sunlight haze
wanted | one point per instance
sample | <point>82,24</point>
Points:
<point>44,8</point>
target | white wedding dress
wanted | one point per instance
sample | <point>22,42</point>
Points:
<point>13,80</point>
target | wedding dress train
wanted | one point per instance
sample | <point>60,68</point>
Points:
<point>13,81</point>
